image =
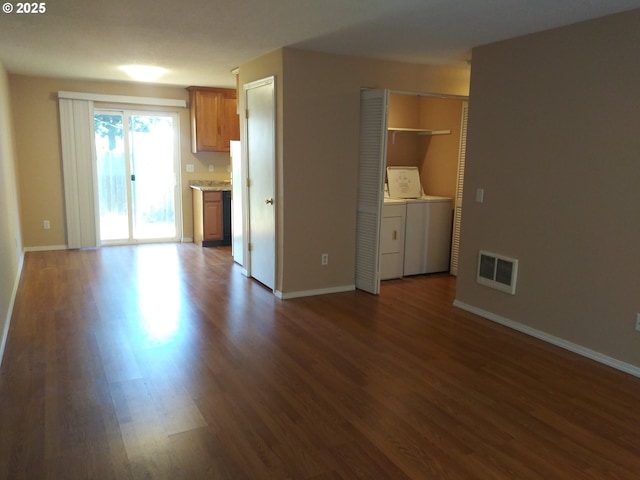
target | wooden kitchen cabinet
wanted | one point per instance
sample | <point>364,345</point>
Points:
<point>214,118</point>
<point>211,218</point>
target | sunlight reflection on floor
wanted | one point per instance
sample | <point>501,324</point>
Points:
<point>159,292</point>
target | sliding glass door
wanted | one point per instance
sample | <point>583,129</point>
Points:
<point>137,171</point>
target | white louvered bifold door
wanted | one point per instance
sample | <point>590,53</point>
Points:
<point>371,168</point>
<point>457,215</point>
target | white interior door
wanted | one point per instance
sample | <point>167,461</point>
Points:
<point>371,167</point>
<point>261,167</point>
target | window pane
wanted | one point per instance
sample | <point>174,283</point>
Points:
<point>152,151</point>
<point>112,177</point>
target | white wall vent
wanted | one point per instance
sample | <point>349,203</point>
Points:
<point>497,271</point>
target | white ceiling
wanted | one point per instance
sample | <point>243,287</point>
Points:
<point>200,41</point>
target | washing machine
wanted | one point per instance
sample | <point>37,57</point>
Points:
<point>428,223</point>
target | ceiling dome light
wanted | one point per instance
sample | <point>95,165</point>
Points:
<point>143,73</point>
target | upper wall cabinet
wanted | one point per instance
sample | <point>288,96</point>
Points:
<point>214,119</point>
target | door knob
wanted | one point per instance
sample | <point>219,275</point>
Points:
<point>269,201</point>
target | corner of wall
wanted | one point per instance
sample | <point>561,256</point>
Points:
<point>9,311</point>
<point>11,248</point>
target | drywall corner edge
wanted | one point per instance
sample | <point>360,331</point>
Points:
<point>14,293</point>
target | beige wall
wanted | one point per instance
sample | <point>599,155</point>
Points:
<point>553,140</point>
<point>10,238</point>
<point>404,149</point>
<point>439,165</point>
<point>319,155</point>
<point>436,156</point>
<point>404,111</point>
<point>35,115</point>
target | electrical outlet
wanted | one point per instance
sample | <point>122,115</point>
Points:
<point>211,168</point>
<point>638,322</point>
<point>46,224</point>
<point>190,168</point>
<point>324,259</point>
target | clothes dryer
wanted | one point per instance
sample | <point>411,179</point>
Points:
<point>427,239</point>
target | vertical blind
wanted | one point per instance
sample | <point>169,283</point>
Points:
<point>78,166</point>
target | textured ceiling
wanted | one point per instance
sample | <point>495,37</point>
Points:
<point>200,41</point>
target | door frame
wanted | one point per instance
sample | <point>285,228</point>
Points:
<point>177,190</point>
<point>370,203</point>
<point>246,179</point>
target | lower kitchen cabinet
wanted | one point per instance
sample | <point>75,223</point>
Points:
<point>211,218</point>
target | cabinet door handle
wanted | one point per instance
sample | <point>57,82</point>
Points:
<point>395,235</point>
<point>269,201</point>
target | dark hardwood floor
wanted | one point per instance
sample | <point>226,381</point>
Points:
<point>163,361</point>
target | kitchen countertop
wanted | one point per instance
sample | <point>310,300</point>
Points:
<point>210,185</point>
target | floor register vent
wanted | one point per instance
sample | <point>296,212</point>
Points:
<point>497,271</point>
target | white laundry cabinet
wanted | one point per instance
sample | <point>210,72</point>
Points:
<point>392,230</point>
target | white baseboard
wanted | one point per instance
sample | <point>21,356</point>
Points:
<point>559,342</point>
<point>45,248</point>
<point>310,293</point>
<point>243,271</point>
<point>5,332</point>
